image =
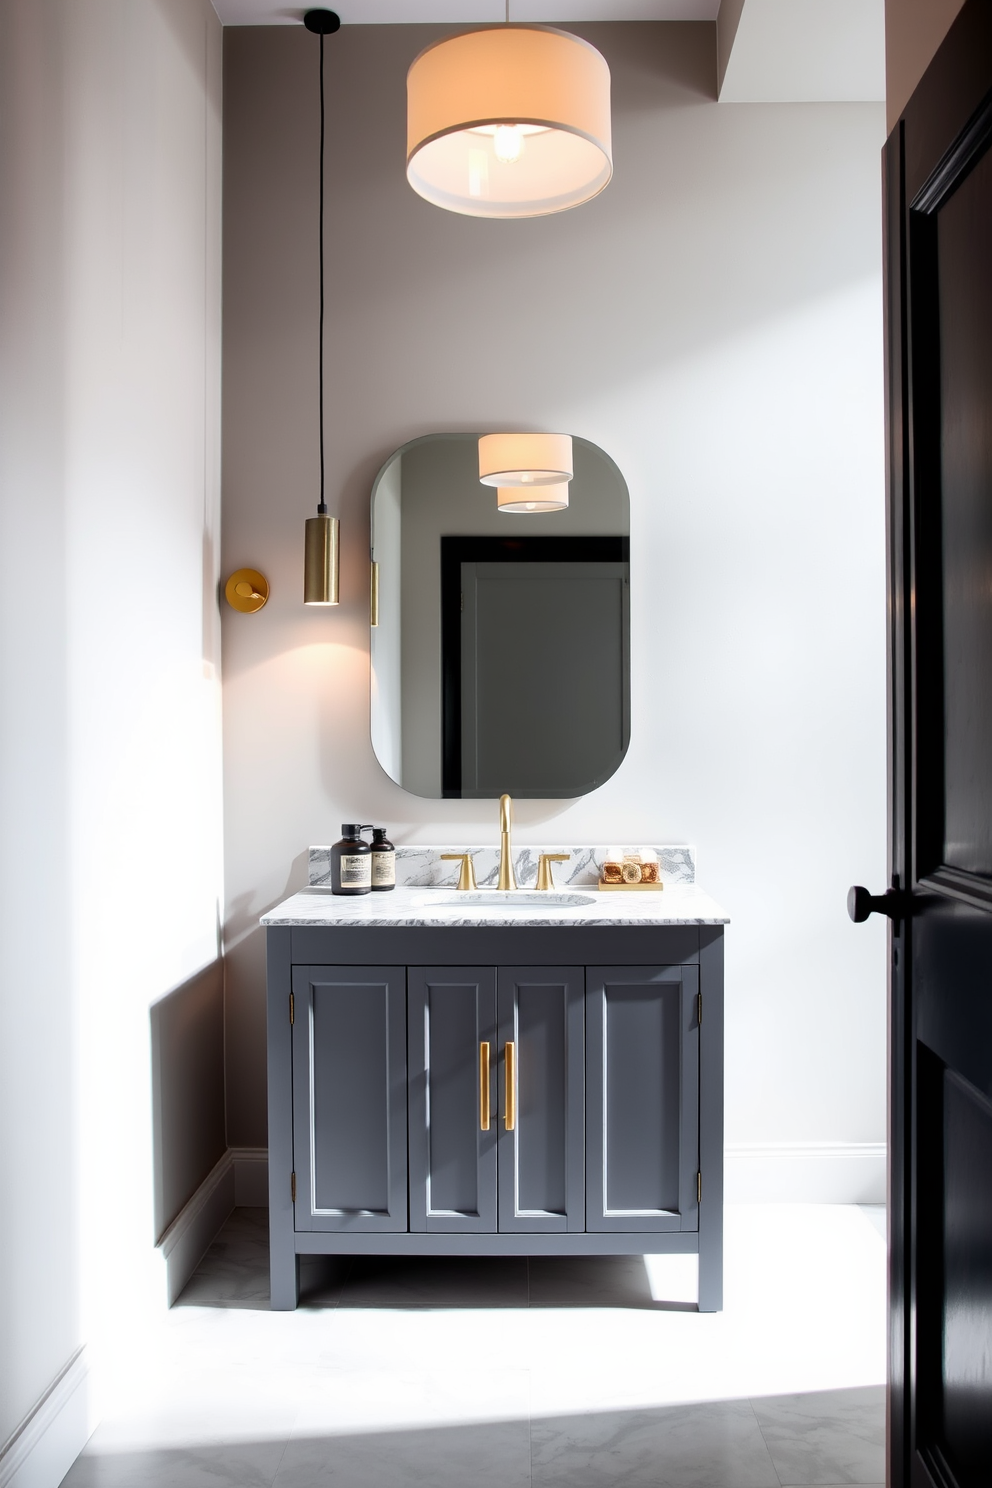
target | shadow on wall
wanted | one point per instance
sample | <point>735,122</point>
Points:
<point>188,1121</point>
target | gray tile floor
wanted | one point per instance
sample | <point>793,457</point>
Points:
<point>284,1401</point>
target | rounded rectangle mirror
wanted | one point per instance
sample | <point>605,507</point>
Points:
<point>500,635</point>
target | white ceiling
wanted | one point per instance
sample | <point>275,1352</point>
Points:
<point>458,12</point>
<point>784,51</point>
<point>807,51</point>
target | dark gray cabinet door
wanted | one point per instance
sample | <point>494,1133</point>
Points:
<point>349,1097</point>
<point>642,1098</point>
<point>542,1052</point>
<point>452,1035</point>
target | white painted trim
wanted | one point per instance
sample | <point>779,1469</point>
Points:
<point>240,1177</point>
<point>251,1177</point>
<point>196,1226</point>
<point>805,1173</point>
<point>53,1433</point>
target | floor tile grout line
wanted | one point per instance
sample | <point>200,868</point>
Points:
<point>764,1442</point>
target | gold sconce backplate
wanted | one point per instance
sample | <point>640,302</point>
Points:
<point>246,590</point>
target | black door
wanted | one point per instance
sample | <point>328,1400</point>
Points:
<point>938,172</point>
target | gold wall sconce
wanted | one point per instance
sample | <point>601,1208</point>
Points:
<point>246,590</point>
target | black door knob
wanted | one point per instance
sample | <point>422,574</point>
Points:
<point>860,904</point>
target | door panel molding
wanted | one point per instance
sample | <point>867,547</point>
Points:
<point>642,1130</point>
<point>542,1013</point>
<point>452,1010</point>
<point>349,1089</point>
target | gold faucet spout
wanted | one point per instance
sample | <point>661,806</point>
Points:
<point>506,878</point>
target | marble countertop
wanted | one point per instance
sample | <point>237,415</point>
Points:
<point>676,904</point>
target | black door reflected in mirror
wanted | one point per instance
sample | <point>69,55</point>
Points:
<point>500,656</point>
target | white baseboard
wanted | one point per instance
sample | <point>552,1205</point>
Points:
<point>805,1173</point>
<point>196,1226</point>
<point>240,1177</point>
<point>52,1434</point>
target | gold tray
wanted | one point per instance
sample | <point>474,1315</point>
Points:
<point>626,888</point>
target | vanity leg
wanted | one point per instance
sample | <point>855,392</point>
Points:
<point>284,1281</point>
<point>711,1119</point>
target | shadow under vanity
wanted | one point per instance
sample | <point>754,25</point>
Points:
<point>449,1078</point>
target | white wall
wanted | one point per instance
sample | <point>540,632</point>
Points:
<point>713,321</point>
<point>110,768</point>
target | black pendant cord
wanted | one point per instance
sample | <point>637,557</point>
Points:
<point>321,505</point>
<point>322,23</point>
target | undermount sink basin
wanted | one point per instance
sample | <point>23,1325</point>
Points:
<point>506,899</point>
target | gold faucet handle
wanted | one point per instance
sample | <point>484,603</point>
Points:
<point>466,878</point>
<point>545,875</point>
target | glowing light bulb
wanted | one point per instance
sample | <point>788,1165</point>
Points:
<point>508,142</point>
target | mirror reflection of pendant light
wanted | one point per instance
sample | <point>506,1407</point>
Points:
<point>525,459</point>
<point>509,121</point>
<point>320,573</point>
<point>525,499</point>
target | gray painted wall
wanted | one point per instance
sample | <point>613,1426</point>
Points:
<point>712,321</point>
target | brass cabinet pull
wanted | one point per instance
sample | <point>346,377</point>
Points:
<point>510,1072</point>
<point>484,1087</point>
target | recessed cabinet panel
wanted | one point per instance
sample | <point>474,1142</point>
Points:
<point>349,1056</point>
<point>452,1150</point>
<point>642,1098</point>
<point>542,1155</point>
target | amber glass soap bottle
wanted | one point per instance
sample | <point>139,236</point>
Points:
<point>351,862</point>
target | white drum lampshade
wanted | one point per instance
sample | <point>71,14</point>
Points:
<point>525,459</point>
<point>523,500</point>
<point>509,121</point>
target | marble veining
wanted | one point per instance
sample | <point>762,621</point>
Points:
<point>420,866</point>
<point>677,904</point>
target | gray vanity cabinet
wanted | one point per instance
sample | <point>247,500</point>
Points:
<point>452,1011</point>
<point>609,1041</point>
<point>349,1098</point>
<point>642,1098</point>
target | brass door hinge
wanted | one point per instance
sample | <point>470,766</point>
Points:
<point>699,1007</point>
<point>292,1186</point>
<point>699,1188</point>
<point>292,1008</point>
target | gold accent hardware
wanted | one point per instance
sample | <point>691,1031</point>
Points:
<point>510,1074</point>
<point>321,563</point>
<point>506,878</point>
<point>699,1188</point>
<point>627,888</point>
<point>699,1008</point>
<point>374,595</point>
<point>292,1009</point>
<point>246,590</point>
<point>545,873</point>
<point>466,878</point>
<point>292,1186</point>
<point>484,1087</point>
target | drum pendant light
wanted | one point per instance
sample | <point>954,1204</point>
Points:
<point>522,499</point>
<point>525,459</point>
<point>509,121</point>
<point>320,569</point>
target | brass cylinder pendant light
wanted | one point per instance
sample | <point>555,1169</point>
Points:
<point>321,564</point>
